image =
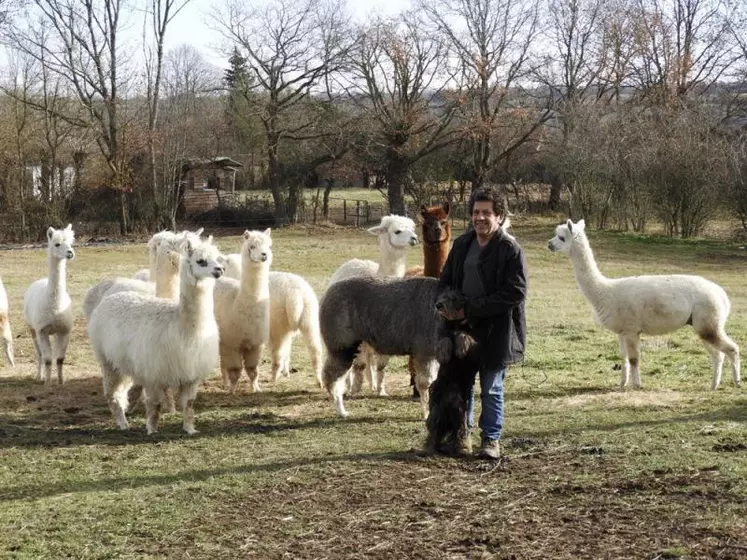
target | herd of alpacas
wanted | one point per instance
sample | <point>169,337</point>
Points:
<point>158,335</point>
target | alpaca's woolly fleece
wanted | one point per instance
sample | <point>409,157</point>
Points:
<point>242,309</point>
<point>636,305</point>
<point>158,343</point>
<point>5,326</point>
<point>47,306</point>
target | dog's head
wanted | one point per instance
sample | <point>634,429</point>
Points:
<point>450,300</point>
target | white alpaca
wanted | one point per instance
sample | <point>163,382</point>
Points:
<point>147,274</point>
<point>158,343</point>
<point>165,270</point>
<point>294,308</point>
<point>242,309</point>
<point>47,306</point>
<point>395,235</point>
<point>5,326</point>
<point>657,305</point>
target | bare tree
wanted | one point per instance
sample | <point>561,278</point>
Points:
<point>159,15</point>
<point>82,49</point>
<point>400,84</point>
<point>291,49</point>
<point>492,40</point>
<point>683,46</point>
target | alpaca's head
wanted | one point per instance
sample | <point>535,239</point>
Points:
<point>169,250</point>
<point>60,242</point>
<point>436,227</point>
<point>397,231</point>
<point>257,247</point>
<point>564,236</point>
<point>202,259</point>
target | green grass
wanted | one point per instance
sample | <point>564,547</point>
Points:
<point>590,471</point>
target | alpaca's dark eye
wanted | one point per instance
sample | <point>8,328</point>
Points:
<point>398,232</point>
<point>56,244</point>
<point>562,239</point>
<point>202,262</point>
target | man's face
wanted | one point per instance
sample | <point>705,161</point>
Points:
<point>484,219</point>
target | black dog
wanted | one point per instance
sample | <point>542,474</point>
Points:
<point>447,418</point>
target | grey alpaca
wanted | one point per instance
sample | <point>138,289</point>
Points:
<point>397,317</point>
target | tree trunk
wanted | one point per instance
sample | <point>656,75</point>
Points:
<point>292,204</point>
<point>396,175</point>
<point>556,188</point>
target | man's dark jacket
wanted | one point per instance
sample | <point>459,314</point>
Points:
<point>498,316</point>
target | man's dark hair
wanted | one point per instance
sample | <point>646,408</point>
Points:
<point>488,194</point>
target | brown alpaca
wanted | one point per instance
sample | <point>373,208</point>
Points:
<point>436,241</point>
<point>436,245</point>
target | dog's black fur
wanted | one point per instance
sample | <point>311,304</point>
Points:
<point>447,418</point>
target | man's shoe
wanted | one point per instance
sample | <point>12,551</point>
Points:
<point>490,449</point>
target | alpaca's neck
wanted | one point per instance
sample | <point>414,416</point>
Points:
<point>434,257</point>
<point>255,281</point>
<point>57,280</point>
<point>592,283</point>
<point>167,278</point>
<point>392,261</point>
<point>195,302</point>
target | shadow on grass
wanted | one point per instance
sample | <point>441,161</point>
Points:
<point>734,413</point>
<point>37,491</point>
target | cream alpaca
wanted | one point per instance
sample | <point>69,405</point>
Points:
<point>656,305</point>
<point>395,235</point>
<point>165,271</point>
<point>242,309</point>
<point>148,274</point>
<point>294,308</point>
<point>47,306</point>
<point>158,343</point>
<point>5,326</point>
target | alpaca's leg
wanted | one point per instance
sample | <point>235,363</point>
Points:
<point>61,342</point>
<point>115,391</point>
<point>625,364</point>
<point>7,341</point>
<point>314,346</point>
<point>722,344</point>
<point>281,348</point>
<point>333,373</point>
<point>230,362</point>
<point>356,375</point>
<point>134,395</point>
<point>45,348</point>
<point>381,363</point>
<point>187,396</point>
<point>167,400</point>
<point>717,361</point>
<point>252,357</point>
<point>153,394</point>
<point>426,372</point>
<point>38,356</point>
<point>632,349</point>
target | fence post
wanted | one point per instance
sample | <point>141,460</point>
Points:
<point>368,213</point>
<point>344,210</point>
<point>357,213</point>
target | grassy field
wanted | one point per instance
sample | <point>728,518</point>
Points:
<point>589,471</point>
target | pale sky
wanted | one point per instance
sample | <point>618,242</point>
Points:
<point>189,27</point>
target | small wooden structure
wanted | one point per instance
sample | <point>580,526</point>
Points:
<point>204,178</point>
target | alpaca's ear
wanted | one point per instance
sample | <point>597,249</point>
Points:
<point>186,246</point>
<point>69,227</point>
<point>267,232</point>
<point>446,207</point>
<point>423,210</point>
<point>50,232</point>
<point>210,240</point>
<point>569,225</point>
<point>377,230</point>
<point>581,225</point>
<point>247,234</point>
<point>199,231</point>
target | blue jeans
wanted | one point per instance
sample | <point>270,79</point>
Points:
<point>491,417</point>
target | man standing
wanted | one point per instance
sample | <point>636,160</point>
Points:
<point>487,265</point>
